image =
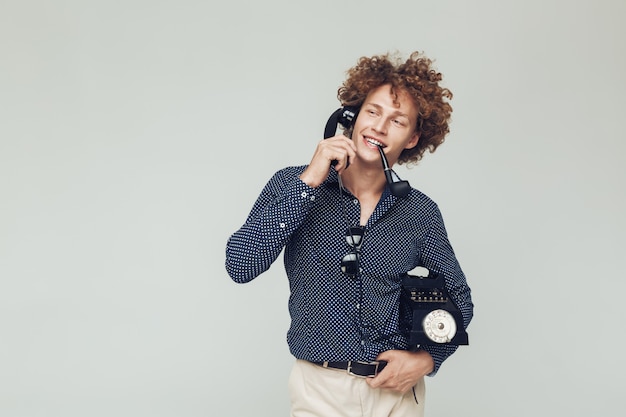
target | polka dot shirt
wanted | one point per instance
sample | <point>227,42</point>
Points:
<point>335,317</point>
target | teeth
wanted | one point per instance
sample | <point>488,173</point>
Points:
<point>374,142</point>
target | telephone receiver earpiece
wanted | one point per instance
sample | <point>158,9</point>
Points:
<point>346,116</point>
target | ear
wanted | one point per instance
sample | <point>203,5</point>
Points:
<point>413,142</point>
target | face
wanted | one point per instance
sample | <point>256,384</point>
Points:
<point>381,121</point>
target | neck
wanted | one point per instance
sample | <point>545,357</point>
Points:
<point>364,183</point>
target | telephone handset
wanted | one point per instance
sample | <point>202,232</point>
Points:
<point>346,116</point>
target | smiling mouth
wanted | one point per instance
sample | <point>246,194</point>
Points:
<point>374,142</point>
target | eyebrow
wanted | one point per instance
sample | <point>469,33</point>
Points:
<point>395,113</point>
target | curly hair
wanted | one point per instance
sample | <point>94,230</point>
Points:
<point>419,80</point>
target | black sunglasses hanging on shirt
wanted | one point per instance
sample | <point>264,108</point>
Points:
<point>350,262</point>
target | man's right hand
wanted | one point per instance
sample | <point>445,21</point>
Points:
<point>338,148</point>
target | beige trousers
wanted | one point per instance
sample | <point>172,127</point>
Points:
<point>323,392</point>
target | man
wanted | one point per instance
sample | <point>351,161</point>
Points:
<point>348,240</point>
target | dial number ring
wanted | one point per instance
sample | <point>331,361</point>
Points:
<point>439,326</point>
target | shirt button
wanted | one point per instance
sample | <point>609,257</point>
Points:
<point>312,198</point>
<point>303,194</point>
<point>283,225</point>
<point>355,201</point>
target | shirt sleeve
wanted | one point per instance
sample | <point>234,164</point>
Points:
<point>437,255</point>
<point>279,210</point>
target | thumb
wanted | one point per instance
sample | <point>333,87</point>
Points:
<point>386,356</point>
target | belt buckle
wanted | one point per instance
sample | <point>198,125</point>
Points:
<point>349,369</point>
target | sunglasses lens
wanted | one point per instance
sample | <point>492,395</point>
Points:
<point>354,237</point>
<point>350,264</point>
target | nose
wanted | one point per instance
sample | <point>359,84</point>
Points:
<point>380,126</point>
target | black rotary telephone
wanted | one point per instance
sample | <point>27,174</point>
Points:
<point>436,318</point>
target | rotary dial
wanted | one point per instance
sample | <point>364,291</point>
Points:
<point>439,326</point>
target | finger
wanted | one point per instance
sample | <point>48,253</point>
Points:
<point>341,165</point>
<point>375,382</point>
<point>382,379</point>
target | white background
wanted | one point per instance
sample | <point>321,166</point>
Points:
<point>135,136</point>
